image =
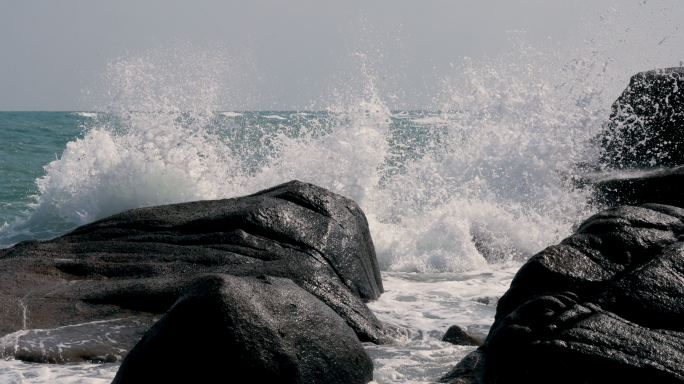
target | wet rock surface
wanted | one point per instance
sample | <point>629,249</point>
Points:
<point>663,186</point>
<point>646,125</point>
<point>460,336</point>
<point>604,305</point>
<point>261,329</point>
<point>643,142</point>
<point>138,263</point>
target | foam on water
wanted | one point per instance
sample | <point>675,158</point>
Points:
<point>424,304</point>
<point>427,305</point>
<point>275,117</point>
<point>18,372</point>
<point>483,181</point>
<point>231,114</point>
<point>87,114</point>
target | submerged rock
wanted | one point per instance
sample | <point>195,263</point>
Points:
<point>259,329</point>
<point>646,125</point>
<point>604,305</point>
<point>138,263</point>
<point>459,336</point>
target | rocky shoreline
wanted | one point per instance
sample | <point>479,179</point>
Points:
<point>148,266</point>
<point>607,303</point>
<point>275,284</point>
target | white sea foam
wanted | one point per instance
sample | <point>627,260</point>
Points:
<point>275,117</point>
<point>424,304</point>
<point>86,114</point>
<point>231,114</point>
<point>19,372</point>
<point>427,305</point>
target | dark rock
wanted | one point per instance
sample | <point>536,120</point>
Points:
<point>487,300</point>
<point>664,186</point>
<point>252,329</point>
<point>646,125</point>
<point>604,305</point>
<point>645,137</point>
<point>467,371</point>
<point>138,263</point>
<point>459,336</point>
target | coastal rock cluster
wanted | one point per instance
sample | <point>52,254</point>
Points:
<point>294,263</point>
<point>606,305</point>
<point>273,285</point>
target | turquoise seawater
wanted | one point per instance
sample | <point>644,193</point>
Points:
<point>29,141</point>
<point>32,141</point>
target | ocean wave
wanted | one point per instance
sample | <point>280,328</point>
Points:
<point>87,114</point>
<point>484,178</point>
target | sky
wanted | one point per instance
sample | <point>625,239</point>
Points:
<point>291,51</point>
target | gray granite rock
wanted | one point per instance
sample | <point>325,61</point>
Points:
<point>460,336</point>
<point>604,305</point>
<point>646,125</point>
<point>137,264</point>
<point>248,329</point>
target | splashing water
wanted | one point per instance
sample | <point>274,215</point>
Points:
<point>487,176</point>
<point>469,187</point>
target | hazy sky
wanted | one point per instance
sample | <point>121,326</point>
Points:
<point>51,50</point>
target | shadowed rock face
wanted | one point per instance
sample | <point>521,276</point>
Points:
<point>646,125</point>
<point>604,305</point>
<point>138,263</point>
<point>645,137</point>
<point>258,329</point>
<point>662,186</point>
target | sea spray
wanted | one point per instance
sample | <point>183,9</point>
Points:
<point>481,179</point>
<point>484,180</point>
<point>487,175</point>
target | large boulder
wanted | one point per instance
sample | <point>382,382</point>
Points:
<point>604,305</point>
<point>138,263</point>
<point>643,142</point>
<point>646,125</point>
<point>253,329</point>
